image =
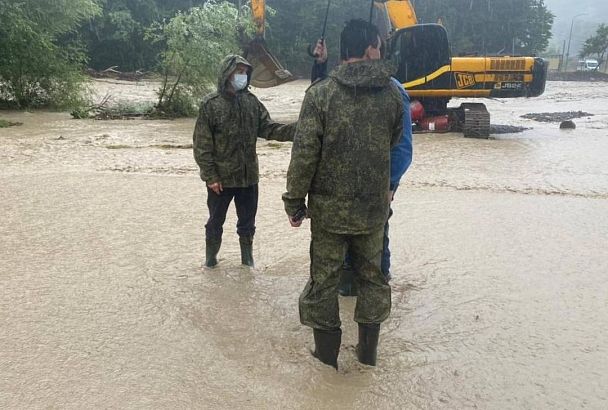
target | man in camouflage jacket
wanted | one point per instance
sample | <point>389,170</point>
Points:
<point>341,160</point>
<point>229,123</point>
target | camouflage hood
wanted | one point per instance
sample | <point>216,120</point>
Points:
<point>364,74</point>
<point>228,65</point>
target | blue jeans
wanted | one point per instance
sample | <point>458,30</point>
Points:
<point>386,252</point>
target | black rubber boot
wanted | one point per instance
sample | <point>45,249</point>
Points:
<point>347,285</point>
<point>368,343</point>
<point>212,247</point>
<point>246,243</point>
<point>327,346</point>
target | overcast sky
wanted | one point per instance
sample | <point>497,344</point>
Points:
<point>596,12</point>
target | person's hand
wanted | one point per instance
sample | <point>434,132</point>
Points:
<point>216,187</point>
<point>296,219</point>
<point>294,223</point>
<point>320,51</point>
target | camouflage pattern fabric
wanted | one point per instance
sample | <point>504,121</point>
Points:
<point>227,129</point>
<point>341,153</point>
<point>341,160</point>
<point>319,300</point>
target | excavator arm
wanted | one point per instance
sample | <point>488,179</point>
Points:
<point>401,13</point>
<point>258,12</point>
<point>267,70</point>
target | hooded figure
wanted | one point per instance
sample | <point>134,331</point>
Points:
<point>229,123</point>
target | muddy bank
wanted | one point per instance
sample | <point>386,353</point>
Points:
<point>6,124</point>
<point>556,116</point>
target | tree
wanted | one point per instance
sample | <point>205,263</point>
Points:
<point>196,42</point>
<point>474,26</point>
<point>40,61</point>
<point>491,26</point>
<point>297,24</point>
<point>117,37</point>
<point>597,45</point>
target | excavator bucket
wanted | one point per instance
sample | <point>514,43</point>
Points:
<point>267,71</point>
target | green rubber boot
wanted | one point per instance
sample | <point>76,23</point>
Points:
<point>212,247</point>
<point>246,243</point>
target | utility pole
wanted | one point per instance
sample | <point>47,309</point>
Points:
<point>569,39</point>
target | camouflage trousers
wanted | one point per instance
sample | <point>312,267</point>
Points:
<point>319,299</point>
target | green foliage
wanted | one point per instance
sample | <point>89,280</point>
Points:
<point>40,62</point>
<point>196,42</point>
<point>117,37</point>
<point>490,27</point>
<point>596,45</point>
<point>474,26</point>
<point>297,24</point>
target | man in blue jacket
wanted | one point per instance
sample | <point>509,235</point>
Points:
<point>401,158</point>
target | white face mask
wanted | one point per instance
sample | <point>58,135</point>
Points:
<point>239,81</point>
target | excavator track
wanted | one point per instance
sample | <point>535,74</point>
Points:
<point>475,120</point>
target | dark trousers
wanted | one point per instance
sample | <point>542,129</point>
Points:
<point>246,203</point>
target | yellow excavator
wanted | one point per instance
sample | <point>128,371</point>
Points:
<point>432,76</point>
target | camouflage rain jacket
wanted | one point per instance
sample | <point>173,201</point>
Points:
<point>227,129</point>
<point>341,153</point>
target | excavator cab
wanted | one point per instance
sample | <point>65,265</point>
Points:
<point>420,51</point>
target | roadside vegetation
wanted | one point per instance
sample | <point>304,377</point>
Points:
<point>41,60</point>
<point>597,45</point>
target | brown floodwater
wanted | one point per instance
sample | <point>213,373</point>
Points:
<point>500,267</point>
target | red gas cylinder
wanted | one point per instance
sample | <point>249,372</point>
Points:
<point>437,124</point>
<point>417,110</point>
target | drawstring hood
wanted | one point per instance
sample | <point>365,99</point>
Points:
<point>364,74</point>
<point>227,67</point>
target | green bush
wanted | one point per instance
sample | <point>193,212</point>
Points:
<point>196,42</point>
<point>40,60</point>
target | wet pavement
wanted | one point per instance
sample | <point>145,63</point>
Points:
<point>499,263</point>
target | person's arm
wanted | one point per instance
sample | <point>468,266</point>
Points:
<point>319,71</point>
<point>401,154</point>
<point>270,130</point>
<point>319,67</point>
<point>305,155</point>
<point>202,143</point>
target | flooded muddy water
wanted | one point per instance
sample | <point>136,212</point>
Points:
<point>500,270</point>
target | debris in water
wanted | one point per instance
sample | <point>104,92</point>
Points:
<point>6,124</point>
<point>506,129</point>
<point>567,125</point>
<point>556,116</point>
